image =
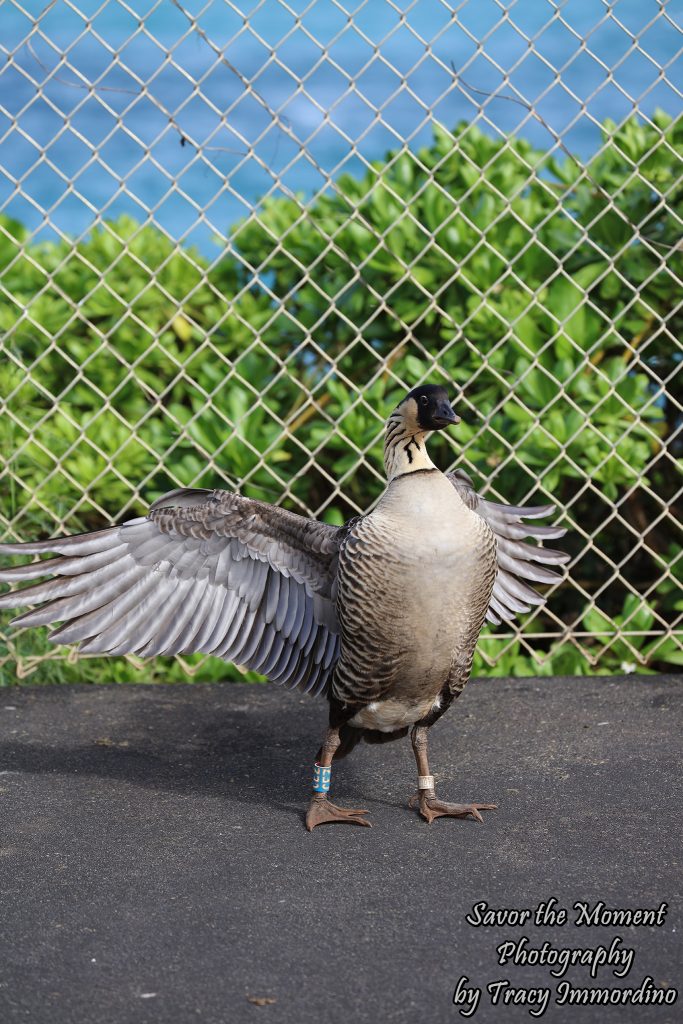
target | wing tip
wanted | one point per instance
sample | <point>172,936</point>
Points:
<point>28,547</point>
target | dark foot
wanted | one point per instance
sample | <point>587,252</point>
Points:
<point>321,810</point>
<point>431,807</point>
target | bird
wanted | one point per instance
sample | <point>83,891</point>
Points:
<point>380,616</point>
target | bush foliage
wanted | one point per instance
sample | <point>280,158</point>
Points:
<point>549,296</point>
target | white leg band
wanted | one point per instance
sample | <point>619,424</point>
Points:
<point>425,782</point>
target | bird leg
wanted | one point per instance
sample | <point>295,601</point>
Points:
<point>320,809</point>
<point>430,806</point>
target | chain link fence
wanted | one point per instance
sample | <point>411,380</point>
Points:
<point>231,235</point>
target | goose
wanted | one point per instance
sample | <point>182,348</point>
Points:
<point>380,616</point>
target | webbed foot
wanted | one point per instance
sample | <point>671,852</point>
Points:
<point>431,807</point>
<point>321,810</point>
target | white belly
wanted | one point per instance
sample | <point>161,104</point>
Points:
<point>390,714</point>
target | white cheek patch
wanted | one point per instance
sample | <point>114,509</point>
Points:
<point>437,704</point>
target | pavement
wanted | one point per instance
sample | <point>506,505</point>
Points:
<point>154,865</point>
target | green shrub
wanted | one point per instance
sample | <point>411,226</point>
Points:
<point>548,295</point>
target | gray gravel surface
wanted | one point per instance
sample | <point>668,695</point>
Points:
<point>154,865</point>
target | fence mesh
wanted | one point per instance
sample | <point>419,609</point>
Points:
<point>230,235</point>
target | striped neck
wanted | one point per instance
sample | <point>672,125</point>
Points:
<point>405,450</point>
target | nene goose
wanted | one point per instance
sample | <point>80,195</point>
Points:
<point>381,615</point>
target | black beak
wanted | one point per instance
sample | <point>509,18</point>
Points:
<point>444,416</point>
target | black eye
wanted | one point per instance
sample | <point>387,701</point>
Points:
<point>423,400</point>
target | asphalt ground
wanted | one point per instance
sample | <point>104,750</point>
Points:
<point>154,865</point>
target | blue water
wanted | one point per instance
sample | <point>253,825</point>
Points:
<point>83,134</point>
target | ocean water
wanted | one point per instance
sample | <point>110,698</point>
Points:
<point>189,114</point>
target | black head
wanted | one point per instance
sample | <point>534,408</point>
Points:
<point>434,410</point>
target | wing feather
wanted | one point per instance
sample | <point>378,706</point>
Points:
<point>273,596</point>
<point>103,590</point>
<point>518,561</point>
<point>251,643</point>
<point>283,601</point>
<point>204,571</point>
<point>274,654</point>
<point>85,543</point>
<point>307,625</point>
<point>144,619</point>
<point>240,622</point>
<point>296,596</point>
<point>182,621</point>
<point>85,627</point>
<point>265,645</point>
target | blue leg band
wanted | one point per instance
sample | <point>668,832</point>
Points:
<point>321,779</point>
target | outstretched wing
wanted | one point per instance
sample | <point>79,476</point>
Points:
<point>517,560</point>
<point>205,571</point>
